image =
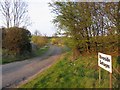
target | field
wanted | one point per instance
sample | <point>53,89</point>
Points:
<point>81,73</point>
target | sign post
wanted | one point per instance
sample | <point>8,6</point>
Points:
<point>105,62</point>
<point>99,76</point>
<point>110,80</point>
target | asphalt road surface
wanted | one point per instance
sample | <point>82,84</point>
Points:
<point>16,72</point>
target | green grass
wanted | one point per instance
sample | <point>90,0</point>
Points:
<point>81,73</point>
<point>37,53</point>
<point>41,51</point>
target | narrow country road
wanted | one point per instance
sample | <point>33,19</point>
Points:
<point>14,73</point>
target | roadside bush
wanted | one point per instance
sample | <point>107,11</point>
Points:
<point>58,41</point>
<point>39,40</point>
<point>16,41</point>
<point>54,41</point>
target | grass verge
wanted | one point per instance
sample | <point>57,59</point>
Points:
<point>41,51</point>
<point>81,73</point>
<point>38,52</point>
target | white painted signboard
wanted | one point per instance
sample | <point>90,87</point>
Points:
<point>105,62</point>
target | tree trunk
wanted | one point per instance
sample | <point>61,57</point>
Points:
<point>76,53</point>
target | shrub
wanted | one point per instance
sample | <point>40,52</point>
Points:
<point>39,40</point>
<point>16,40</point>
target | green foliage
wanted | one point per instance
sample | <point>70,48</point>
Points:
<point>57,41</point>
<point>118,60</point>
<point>15,43</point>
<point>17,40</point>
<point>13,58</point>
<point>40,41</point>
<point>82,73</point>
<point>41,50</point>
<point>54,41</point>
<point>86,25</point>
<point>105,44</point>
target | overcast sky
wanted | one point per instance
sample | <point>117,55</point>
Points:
<point>41,17</point>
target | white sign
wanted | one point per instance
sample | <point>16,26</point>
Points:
<point>105,62</point>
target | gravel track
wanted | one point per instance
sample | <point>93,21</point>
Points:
<point>16,72</point>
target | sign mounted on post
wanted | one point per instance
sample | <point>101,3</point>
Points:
<point>105,62</point>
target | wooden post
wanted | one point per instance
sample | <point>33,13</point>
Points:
<point>111,76</point>
<point>110,81</point>
<point>99,76</point>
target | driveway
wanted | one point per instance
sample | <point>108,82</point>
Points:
<point>16,72</point>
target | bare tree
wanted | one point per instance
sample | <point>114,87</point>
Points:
<point>15,13</point>
<point>20,13</point>
<point>37,33</point>
<point>6,11</point>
